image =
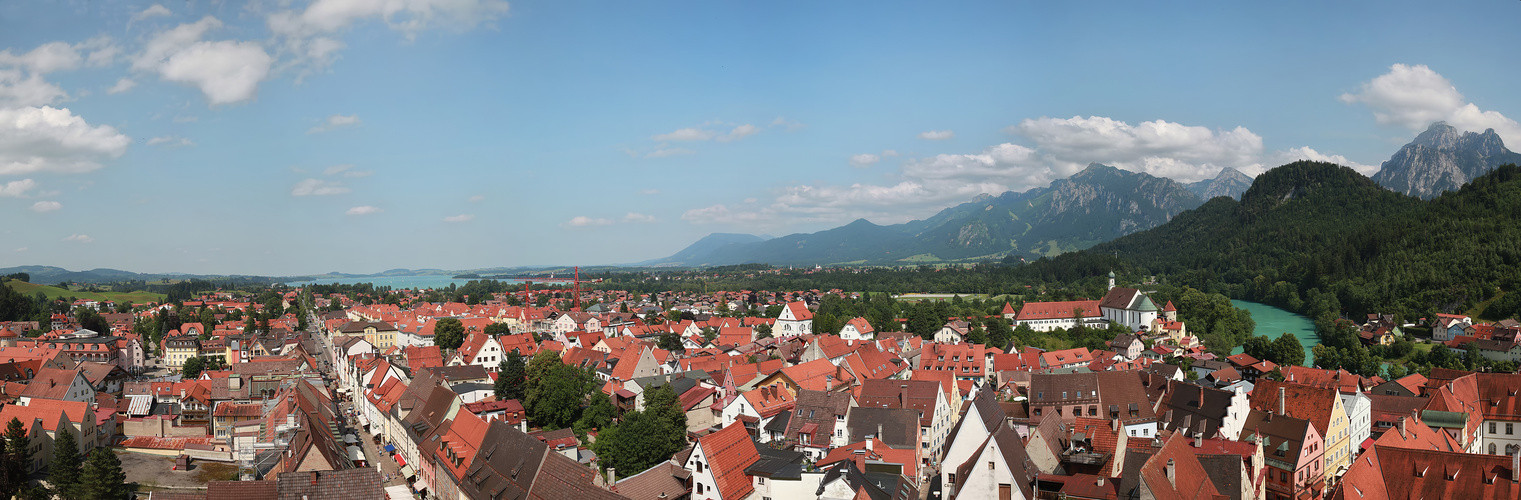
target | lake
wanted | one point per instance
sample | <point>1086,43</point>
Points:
<point>395,282</point>
<point>1272,322</point>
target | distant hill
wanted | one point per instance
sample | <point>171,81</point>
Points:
<point>1230,182</point>
<point>1095,205</point>
<point>1321,238</point>
<point>1442,159</point>
<point>705,250</point>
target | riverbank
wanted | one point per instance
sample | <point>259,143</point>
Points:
<point>1272,322</point>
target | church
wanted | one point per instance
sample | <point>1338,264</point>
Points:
<point>1127,306</point>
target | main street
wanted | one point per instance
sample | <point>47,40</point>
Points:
<point>390,471</point>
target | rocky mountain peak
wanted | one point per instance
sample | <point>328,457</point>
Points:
<point>1443,159</point>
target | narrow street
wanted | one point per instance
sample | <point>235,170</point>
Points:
<point>390,471</point>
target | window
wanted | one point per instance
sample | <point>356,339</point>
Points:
<point>1509,428</point>
<point>760,480</point>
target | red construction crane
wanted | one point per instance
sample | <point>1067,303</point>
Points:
<point>575,287</point>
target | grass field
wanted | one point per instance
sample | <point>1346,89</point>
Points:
<point>53,292</point>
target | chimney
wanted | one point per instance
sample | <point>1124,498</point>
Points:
<point>1402,426</point>
<point>1199,440</point>
<point>1282,400</point>
<point>1172,473</point>
<point>868,444</point>
<point>903,395</point>
<point>612,477</point>
<point>1515,465</point>
<point>879,429</point>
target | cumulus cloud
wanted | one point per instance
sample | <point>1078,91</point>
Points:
<point>18,89</point>
<point>1306,153</point>
<point>225,71</point>
<point>46,206</point>
<point>937,135</point>
<point>864,160</point>
<point>363,210</point>
<point>79,238</point>
<point>636,217</point>
<point>686,134</point>
<point>721,214</point>
<point>153,11</point>
<point>54,140</point>
<point>17,189</point>
<point>584,221</point>
<point>1415,96</point>
<point>169,140</point>
<point>664,152</point>
<point>307,34</point>
<point>1161,148</point>
<point>317,187</point>
<point>459,218</point>
<point>738,133</point>
<point>122,85</point>
<point>46,58</point>
<point>787,124</point>
<point>347,170</point>
<point>335,122</point>
<point>706,133</point>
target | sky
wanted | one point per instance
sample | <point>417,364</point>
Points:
<point>308,136</point>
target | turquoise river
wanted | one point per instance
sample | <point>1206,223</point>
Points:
<point>1272,322</point>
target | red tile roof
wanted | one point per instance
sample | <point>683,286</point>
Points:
<point>729,451</point>
<point>1058,310</point>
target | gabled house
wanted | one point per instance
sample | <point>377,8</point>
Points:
<point>718,462</point>
<point>818,422</point>
<point>983,417</point>
<point>999,468</point>
<point>794,320</point>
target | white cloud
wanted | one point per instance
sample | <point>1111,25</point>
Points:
<point>584,221</point>
<point>317,187</point>
<point>306,34</point>
<point>864,160</point>
<point>334,122</point>
<point>664,152</point>
<point>46,58</point>
<point>788,124</point>
<point>888,153</point>
<point>476,198</point>
<point>155,10</point>
<point>738,133</point>
<point>1161,148</point>
<point>706,134</point>
<point>79,238</point>
<point>122,85</point>
<point>1415,96</point>
<point>459,218</point>
<point>17,189</point>
<point>225,71</point>
<point>638,218</point>
<point>54,140</point>
<point>170,140</point>
<point>686,134</point>
<point>1305,153</point>
<point>937,135</point>
<point>29,90</point>
<point>721,214</point>
<point>21,249</point>
<point>363,210</point>
<point>347,170</point>
<point>46,206</point>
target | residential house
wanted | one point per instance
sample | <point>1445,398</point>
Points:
<point>1293,450</point>
<point>1129,307</point>
<point>794,320</point>
<point>718,462</point>
<point>818,422</point>
<point>998,468</point>
<point>1322,407</point>
<point>936,417</point>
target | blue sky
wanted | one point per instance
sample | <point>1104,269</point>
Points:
<point>362,135</point>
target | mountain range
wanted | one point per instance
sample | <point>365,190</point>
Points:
<point>1099,204</point>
